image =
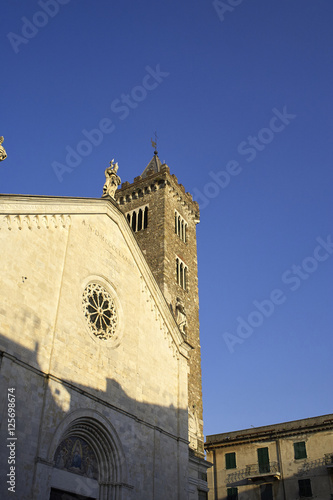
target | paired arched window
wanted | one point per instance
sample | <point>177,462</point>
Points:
<point>138,219</point>
<point>180,227</point>
<point>181,273</point>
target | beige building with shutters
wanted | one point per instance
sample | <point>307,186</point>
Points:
<point>99,344</point>
<point>287,461</point>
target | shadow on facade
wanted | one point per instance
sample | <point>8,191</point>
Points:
<point>75,442</point>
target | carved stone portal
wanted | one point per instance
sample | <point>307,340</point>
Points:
<point>3,154</point>
<point>112,180</point>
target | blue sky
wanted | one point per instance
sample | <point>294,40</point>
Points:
<point>240,94</point>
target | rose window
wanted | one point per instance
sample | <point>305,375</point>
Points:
<point>100,311</point>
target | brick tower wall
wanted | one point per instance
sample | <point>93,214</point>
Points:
<point>159,242</point>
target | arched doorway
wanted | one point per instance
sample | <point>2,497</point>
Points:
<point>89,462</point>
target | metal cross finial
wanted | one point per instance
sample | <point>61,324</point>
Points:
<point>154,143</point>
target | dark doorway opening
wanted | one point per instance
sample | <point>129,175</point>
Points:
<point>65,495</point>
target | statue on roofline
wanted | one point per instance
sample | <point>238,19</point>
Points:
<point>112,180</point>
<point>3,154</point>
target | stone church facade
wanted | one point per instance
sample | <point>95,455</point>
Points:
<point>99,344</point>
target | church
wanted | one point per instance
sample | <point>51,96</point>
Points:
<point>99,343</point>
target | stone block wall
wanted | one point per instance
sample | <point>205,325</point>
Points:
<point>135,384</point>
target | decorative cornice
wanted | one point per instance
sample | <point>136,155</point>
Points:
<point>271,432</point>
<point>26,221</point>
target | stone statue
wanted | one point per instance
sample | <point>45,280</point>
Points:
<point>3,154</point>
<point>181,316</point>
<point>112,180</point>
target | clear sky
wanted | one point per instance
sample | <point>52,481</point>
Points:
<point>240,95</point>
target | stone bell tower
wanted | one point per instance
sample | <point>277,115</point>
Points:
<point>164,217</point>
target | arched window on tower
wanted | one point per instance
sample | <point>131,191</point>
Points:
<point>134,221</point>
<point>140,220</point>
<point>145,221</point>
<point>180,226</point>
<point>177,271</point>
<point>181,273</point>
<point>181,281</point>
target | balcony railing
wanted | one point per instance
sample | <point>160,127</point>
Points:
<point>255,472</point>
<point>328,459</point>
<point>314,466</point>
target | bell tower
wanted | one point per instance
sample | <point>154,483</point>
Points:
<point>164,217</point>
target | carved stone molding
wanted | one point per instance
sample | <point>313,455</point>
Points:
<point>21,221</point>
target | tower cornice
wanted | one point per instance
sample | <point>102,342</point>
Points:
<point>142,186</point>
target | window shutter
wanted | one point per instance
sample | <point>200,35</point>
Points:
<point>266,492</point>
<point>230,460</point>
<point>232,493</point>
<point>305,488</point>
<point>263,460</point>
<point>300,450</point>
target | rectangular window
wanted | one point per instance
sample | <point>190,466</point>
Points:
<point>304,486</point>
<point>266,492</point>
<point>263,460</point>
<point>300,450</point>
<point>232,494</point>
<point>230,460</point>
